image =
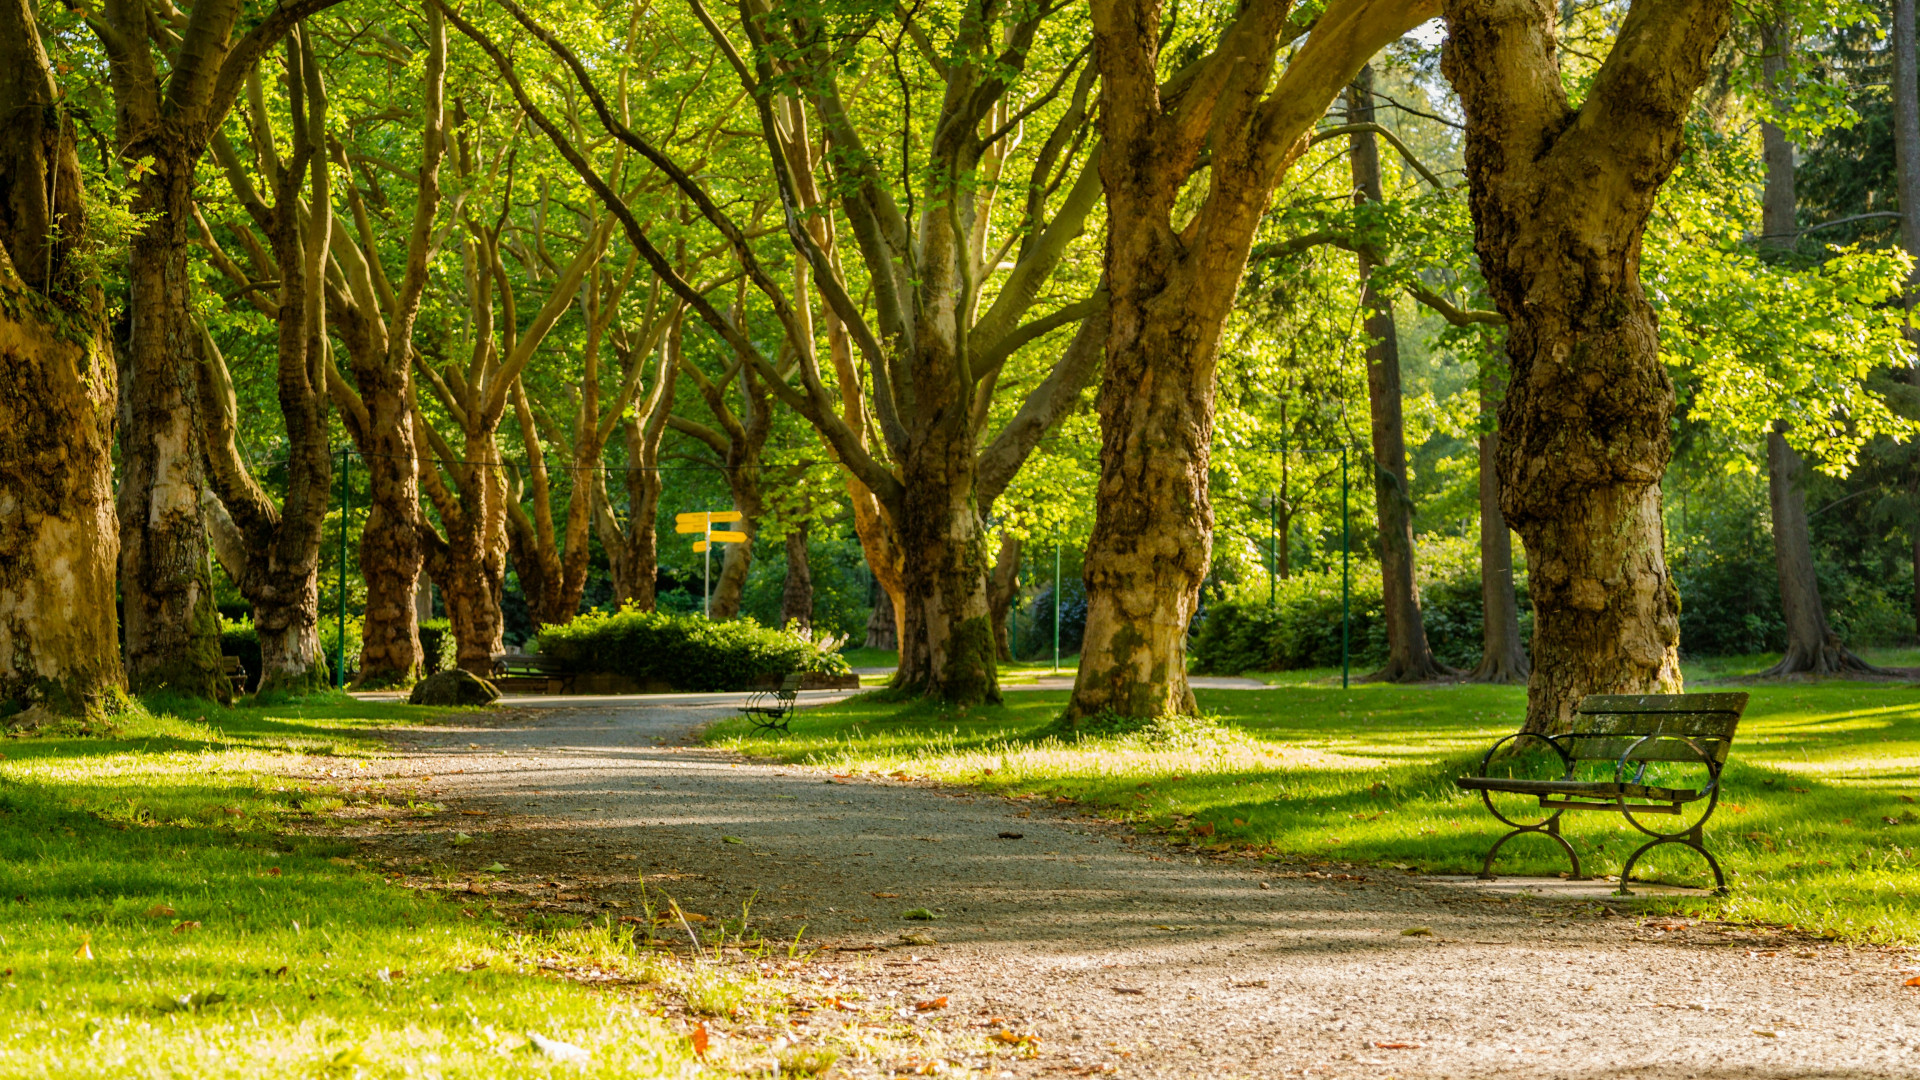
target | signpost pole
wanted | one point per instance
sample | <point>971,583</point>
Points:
<point>346,506</point>
<point>1057,606</point>
<point>706,576</point>
<point>1346,591</point>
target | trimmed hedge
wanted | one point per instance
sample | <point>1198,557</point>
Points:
<point>685,652</point>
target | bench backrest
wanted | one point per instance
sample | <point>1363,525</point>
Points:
<point>791,684</point>
<point>1606,725</point>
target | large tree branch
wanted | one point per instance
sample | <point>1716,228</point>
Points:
<point>812,402</point>
<point>1043,408</point>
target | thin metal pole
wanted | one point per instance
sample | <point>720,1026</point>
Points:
<point>346,509</point>
<point>706,576</point>
<point>1057,606</point>
<point>1273,545</point>
<point>1346,585</point>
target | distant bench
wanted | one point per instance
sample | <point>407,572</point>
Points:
<point>1631,731</point>
<point>530,673</point>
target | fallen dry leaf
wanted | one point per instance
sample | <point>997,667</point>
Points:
<point>1417,931</point>
<point>699,1038</point>
<point>1915,981</point>
<point>1128,989</point>
<point>1400,1046</point>
<point>185,925</point>
<point>931,1004</point>
<point>161,911</point>
<point>1205,828</point>
<point>886,896</point>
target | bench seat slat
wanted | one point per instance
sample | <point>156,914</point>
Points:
<point>1583,788</point>
<point>1610,747</point>
<point>1663,703</point>
<point>1715,724</point>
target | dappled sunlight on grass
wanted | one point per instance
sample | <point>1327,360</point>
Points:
<point>1817,826</point>
<point>157,919</point>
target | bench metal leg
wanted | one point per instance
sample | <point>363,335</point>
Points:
<point>1692,838</point>
<point>1550,827</point>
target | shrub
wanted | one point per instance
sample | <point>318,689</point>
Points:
<point>1302,627</point>
<point>683,651</point>
<point>437,642</point>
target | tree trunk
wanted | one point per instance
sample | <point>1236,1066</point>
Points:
<point>796,597</point>
<point>280,563</point>
<point>172,632</point>
<point>883,624</point>
<point>1812,646</point>
<point>390,551</point>
<point>1560,200</point>
<point>471,564</point>
<point>1503,655</point>
<point>1905,45</point>
<point>59,650</point>
<point>1172,269</point>
<point>1409,658</point>
<point>946,627</point>
<point>1002,588</point>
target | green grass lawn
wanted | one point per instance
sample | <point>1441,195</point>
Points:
<point>1817,828</point>
<point>162,914</point>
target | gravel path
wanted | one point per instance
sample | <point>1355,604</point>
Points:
<point>1073,948</point>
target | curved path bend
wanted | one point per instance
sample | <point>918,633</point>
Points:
<point>1119,956</point>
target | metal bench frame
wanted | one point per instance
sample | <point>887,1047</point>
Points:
<point>771,710</point>
<point>1652,727</point>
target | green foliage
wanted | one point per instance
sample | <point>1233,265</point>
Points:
<point>1302,627</point>
<point>683,651</point>
<point>438,643</point>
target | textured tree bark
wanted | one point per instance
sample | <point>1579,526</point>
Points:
<point>1171,289</point>
<point>390,550</point>
<point>1560,199</point>
<point>1002,588</point>
<point>946,631</point>
<point>59,650</point>
<point>280,545</point>
<point>796,596</point>
<point>1409,658</point>
<point>883,625</point>
<point>1503,655</point>
<point>172,632</point>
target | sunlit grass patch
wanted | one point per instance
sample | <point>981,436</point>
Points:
<point>158,919</point>
<point>1817,826</point>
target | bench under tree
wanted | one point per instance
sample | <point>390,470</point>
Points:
<point>1630,732</point>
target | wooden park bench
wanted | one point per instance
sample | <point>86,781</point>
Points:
<point>1631,731</point>
<point>770,710</point>
<point>530,673</point>
<point>236,673</point>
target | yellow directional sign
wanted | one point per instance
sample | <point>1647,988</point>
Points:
<point>699,546</point>
<point>715,516</point>
<point>720,536</point>
<point>690,526</point>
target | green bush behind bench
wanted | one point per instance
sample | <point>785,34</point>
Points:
<point>684,651</point>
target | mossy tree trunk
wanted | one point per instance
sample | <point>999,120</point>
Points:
<point>1172,268</point>
<point>1560,199</point>
<point>59,649</point>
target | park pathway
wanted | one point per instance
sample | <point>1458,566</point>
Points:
<point>1119,955</point>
